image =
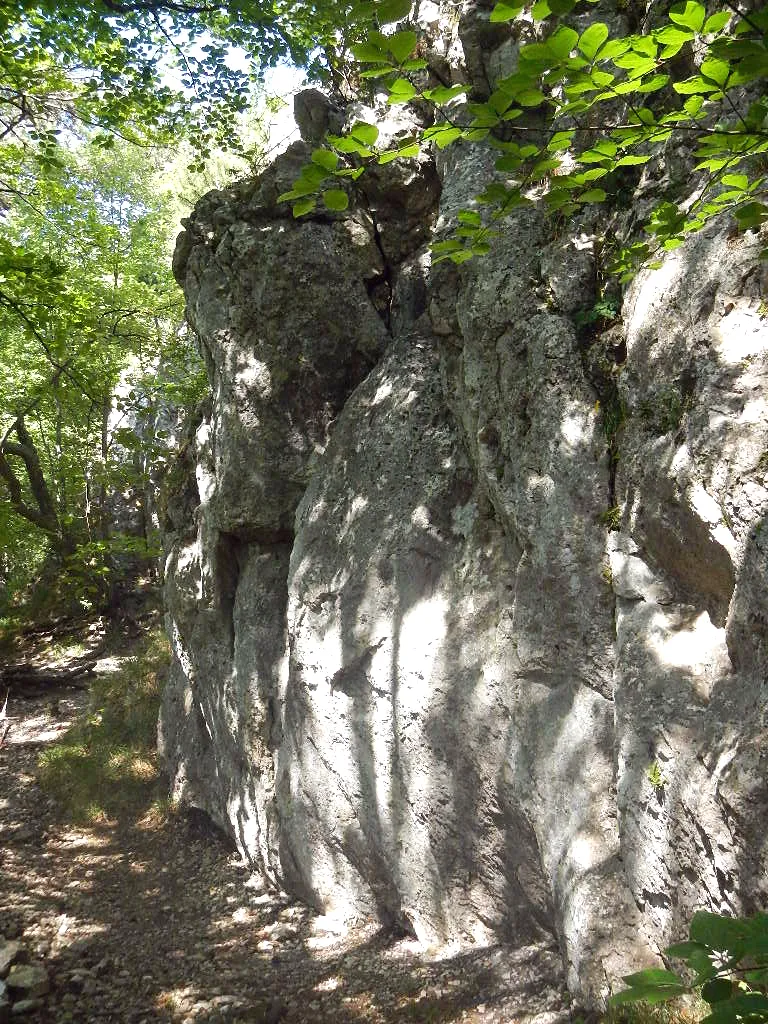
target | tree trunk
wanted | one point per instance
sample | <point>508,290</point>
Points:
<point>41,510</point>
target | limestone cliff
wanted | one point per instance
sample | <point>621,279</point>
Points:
<point>468,600</point>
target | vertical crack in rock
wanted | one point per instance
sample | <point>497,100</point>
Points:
<point>380,289</point>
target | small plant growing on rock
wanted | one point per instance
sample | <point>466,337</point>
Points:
<point>728,960</point>
<point>611,518</point>
<point>655,776</point>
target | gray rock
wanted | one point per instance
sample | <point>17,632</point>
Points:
<point>28,981</point>
<point>5,1004</point>
<point>453,585</point>
<point>11,952</point>
<point>422,826</point>
<point>25,1006</point>
<point>316,114</point>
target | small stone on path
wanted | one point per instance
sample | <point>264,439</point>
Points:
<point>31,980</point>
<point>11,952</point>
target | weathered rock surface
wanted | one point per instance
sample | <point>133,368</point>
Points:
<point>28,981</point>
<point>468,602</point>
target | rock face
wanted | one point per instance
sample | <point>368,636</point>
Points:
<point>469,603</point>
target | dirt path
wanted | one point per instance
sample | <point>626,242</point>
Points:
<point>160,922</point>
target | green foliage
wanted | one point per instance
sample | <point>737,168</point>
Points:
<point>727,959</point>
<point>611,517</point>
<point>655,776</point>
<point>155,70</point>
<point>588,107</point>
<point>603,312</point>
<point>88,308</point>
<point>664,413</point>
<point>106,766</point>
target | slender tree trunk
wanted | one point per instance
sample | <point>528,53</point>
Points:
<point>41,510</point>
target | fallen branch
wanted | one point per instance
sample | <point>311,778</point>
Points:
<point>30,675</point>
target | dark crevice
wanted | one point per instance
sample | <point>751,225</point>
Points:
<point>227,569</point>
<point>601,354</point>
<point>380,288</point>
<point>265,537</point>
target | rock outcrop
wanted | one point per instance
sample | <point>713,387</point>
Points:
<point>468,601</point>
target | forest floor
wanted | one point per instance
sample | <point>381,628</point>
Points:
<point>138,912</point>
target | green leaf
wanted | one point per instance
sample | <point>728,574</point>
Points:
<point>647,994</point>
<point>684,949</point>
<point>325,158</point>
<point>652,976</point>
<point>541,10</point>
<point>752,215</point>
<point>311,175</point>
<point>350,145</point>
<point>560,141</point>
<point>350,172</point>
<point>717,22</point>
<point>387,11</point>
<point>690,14</point>
<point>471,217</point>
<point>693,86</point>
<point>592,39</point>
<point>505,12</point>
<point>562,41</point>
<point>401,45</point>
<point>448,246</point>
<point>444,93</point>
<point>401,91</point>
<point>530,97</point>
<point>378,72</point>
<point>495,193</point>
<point>397,154</point>
<point>715,71</point>
<point>635,63</point>
<point>364,132</point>
<point>336,199</point>
<point>693,105</point>
<point>738,1009</point>
<point>366,53</point>
<point>614,48</point>
<point>632,160</point>
<point>671,35</point>
<point>736,180</point>
<point>442,134</point>
<point>716,990</point>
<point>594,195</point>
<point>303,206</point>
<point>716,930</point>
<point>673,39</point>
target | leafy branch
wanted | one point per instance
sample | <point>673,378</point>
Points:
<point>565,157</point>
<point>728,960</point>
